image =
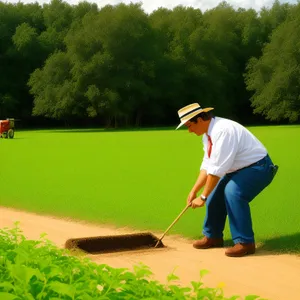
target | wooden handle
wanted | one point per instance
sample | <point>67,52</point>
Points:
<point>183,211</point>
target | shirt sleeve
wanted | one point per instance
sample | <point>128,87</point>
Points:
<point>224,149</point>
<point>205,163</point>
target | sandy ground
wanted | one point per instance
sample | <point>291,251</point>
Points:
<point>275,277</point>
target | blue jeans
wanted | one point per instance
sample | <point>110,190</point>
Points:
<point>232,196</point>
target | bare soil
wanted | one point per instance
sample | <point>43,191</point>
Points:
<point>270,276</point>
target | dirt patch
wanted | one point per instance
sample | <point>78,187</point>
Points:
<point>115,243</point>
<point>270,276</point>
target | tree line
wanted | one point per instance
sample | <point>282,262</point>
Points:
<point>119,66</point>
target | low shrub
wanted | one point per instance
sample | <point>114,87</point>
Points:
<point>36,270</point>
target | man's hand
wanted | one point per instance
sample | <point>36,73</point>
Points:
<point>198,202</point>
<point>192,195</point>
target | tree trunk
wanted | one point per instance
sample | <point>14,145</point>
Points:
<point>115,121</point>
<point>108,122</point>
<point>138,118</point>
<point>127,120</point>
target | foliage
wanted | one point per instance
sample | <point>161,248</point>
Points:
<point>118,66</point>
<point>39,270</point>
<point>275,76</point>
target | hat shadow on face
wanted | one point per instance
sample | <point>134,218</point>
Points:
<point>188,112</point>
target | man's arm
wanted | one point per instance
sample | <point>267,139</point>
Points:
<point>222,157</point>
<point>211,183</point>
<point>200,182</point>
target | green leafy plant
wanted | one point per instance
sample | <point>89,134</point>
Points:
<point>39,270</point>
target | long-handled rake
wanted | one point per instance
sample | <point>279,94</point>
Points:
<point>115,243</point>
<point>183,211</point>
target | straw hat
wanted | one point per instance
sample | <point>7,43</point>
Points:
<point>190,111</point>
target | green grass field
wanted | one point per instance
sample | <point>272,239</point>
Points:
<point>141,179</point>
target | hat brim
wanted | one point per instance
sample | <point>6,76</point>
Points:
<point>193,114</point>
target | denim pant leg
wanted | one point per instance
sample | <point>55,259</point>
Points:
<point>216,213</point>
<point>240,190</point>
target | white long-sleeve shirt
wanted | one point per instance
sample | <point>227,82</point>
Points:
<point>233,147</point>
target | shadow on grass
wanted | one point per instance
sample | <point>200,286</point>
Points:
<point>287,244</point>
<point>11,140</point>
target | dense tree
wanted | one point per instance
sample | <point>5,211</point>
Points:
<point>110,68</point>
<point>120,66</point>
<point>176,78</point>
<point>275,76</point>
<point>14,67</point>
<point>271,18</point>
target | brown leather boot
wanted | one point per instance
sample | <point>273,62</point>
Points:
<point>206,243</point>
<point>240,249</point>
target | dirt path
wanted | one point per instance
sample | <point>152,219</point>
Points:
<point>275,277</point>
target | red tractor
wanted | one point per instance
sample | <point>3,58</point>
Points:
<point>7,128</point>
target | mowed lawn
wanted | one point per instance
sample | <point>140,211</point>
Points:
<point>141,179</point>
